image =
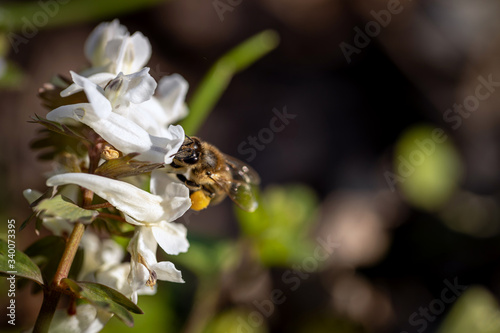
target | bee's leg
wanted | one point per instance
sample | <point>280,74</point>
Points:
<point>190,184</point>
<point>208,191</point>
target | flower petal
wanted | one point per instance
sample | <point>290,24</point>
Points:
<point>139,204</point>
<point>67,113</point>
<point>163,185</point>
<point>100,79</point>
<point>137,54</point>
<point>133,88</point>
<point>170,142</point>
<point>171,237</point>
<point>166,271</point>
<point>124,134</point>
<point>98,39</point>
<point>143,242</point>
<point>171,93</point>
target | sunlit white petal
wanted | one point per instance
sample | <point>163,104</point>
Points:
<point>127,198</point>
<point>171,237</point>
<point>166,271</point>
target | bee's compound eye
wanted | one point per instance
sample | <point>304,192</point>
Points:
<point>191,160</point>
<point>209,173</point>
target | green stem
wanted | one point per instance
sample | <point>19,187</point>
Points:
<point>220,74</point>
<point>49,305</point>
<point>68,255</point>
<point>53,292</point>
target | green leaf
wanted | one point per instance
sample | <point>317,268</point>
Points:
<point>105,298</point>
<point>220,74</point>
<point>47,253</point>
<point>58,128</point>
<point>62,208</point>
<point>14,262</point>
<point>125,166</point>
<point>56,139</point>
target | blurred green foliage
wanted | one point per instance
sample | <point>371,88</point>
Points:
<point>280,226</point>
<point>429,166</point>
<point>16,14</point>
<point>475,311</point>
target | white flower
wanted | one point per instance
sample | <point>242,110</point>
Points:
<point>152,213</point>
<point>153,114</point>
<point>99,256</point>
<point>111,49</point>
<point>116,114</point>
<point>145,269</point>
<point>141,207</point>
<point>88,319</point>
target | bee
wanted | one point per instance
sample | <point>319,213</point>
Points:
<point>212,175</point>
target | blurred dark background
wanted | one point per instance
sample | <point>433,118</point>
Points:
<point>351,115</point>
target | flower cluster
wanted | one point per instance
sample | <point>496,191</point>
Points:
<point>125,114</point>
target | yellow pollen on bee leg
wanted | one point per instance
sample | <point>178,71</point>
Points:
<point>199,200</point>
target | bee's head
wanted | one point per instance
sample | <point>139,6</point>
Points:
<point>189,153</point>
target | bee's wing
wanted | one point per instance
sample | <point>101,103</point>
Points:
<point>242,187</point>
<point>243,194</point>
<point>241,171</point>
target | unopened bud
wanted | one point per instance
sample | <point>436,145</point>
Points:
<point>109,153</point>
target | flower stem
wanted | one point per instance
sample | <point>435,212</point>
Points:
<point>69,254</point>
<point>49,305</point>
<point>53,292</point>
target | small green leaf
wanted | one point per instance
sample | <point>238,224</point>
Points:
<point>58,128</point>
<point>14,262</point>
<point>125,166</point>
<point>27,221</point>
<point>105,298</point>
<point>58,207</point>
